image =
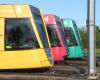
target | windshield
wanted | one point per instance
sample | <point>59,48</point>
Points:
<point>19,34</point>
<point>41,30</point>
<point>61,32</point>
<point>71,41</point>
<point>54,40</point>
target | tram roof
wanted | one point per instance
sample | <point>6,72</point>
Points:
<point>17,10</point>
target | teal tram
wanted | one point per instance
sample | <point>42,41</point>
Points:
<point>73,39</point>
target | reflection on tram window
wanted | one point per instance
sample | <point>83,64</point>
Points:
<point>19,34</point>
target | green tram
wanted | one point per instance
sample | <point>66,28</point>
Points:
<point>73,39</point>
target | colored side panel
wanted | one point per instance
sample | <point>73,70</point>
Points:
<point>1,34</point>
<point>49,19</point>
<point>22,11</point>
<point>76,52</point>
<point>58,53</point>
<point>23,59</point>
<point>7,11</point>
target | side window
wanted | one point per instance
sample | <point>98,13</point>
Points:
<point>19,34</point>
<point>41,30</point>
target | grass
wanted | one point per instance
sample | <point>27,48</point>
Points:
<point>97,52</point>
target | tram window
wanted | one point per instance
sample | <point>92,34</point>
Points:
<point>61,32</point>
<point>54,40</point>
<point>71,41</point>
<point>19,34</point>
<point>41,30</point>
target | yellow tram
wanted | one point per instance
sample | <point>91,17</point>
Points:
<point>24,41</point>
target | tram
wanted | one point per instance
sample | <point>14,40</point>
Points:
<point>24,41</point>
<point>73,39</point>
<point>57,40</point>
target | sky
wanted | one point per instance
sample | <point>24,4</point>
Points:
<point>74,9</point>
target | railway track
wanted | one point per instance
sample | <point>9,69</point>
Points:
<point>82,62</point>
<point>37,77</point>
<point>57,75</point>
<point>61,72</point>
<point>69,70</point>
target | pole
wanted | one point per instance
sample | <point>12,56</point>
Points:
<point>91,39</point>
